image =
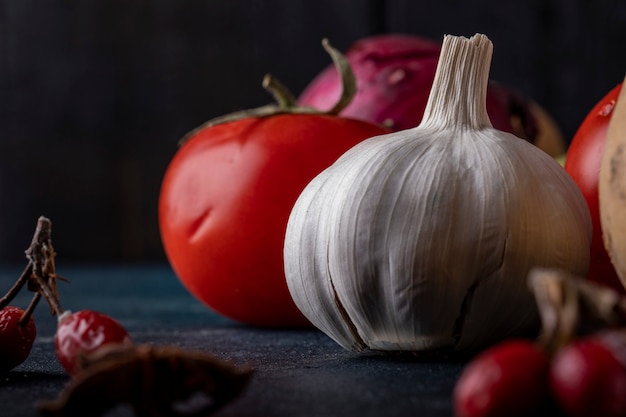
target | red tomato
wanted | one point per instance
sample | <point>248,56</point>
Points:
<point>583,164</point>
<point>225,201</point>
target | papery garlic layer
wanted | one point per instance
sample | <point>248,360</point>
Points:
<point>423,239</point>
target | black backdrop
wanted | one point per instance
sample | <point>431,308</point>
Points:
<point>96,93</point>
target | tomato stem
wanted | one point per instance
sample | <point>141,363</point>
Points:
<point>284,98</point>
<point>286,102</point>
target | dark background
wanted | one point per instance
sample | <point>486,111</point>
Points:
<point>96,93</point>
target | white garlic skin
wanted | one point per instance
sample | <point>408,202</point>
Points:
<point>383,247</point>
<point>423,239</point>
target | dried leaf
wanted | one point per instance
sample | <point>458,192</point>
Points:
<point>156,381</point>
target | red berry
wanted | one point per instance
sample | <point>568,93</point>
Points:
<point>588,379</point>
<point>509,379</point>
<point>16,340</point>
<point>84,332</point>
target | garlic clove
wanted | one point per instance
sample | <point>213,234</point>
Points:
<point>318,296</point>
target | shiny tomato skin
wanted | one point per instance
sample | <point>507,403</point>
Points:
<point>583,164</point>
<point>224,204</point>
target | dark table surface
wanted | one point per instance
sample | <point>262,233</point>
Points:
<point>296,372</point>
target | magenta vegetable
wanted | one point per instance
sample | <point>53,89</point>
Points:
<point>394,75</point>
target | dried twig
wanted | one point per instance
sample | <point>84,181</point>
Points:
<point>571,306</point>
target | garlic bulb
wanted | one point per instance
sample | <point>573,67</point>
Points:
<point>422,239</point>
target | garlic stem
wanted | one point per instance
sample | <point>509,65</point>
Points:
<point>459,93</point>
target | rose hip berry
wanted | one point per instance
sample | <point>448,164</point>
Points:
<point>509,379</point>
<point>77,333</point>
<point>588,376</point>
<point>84,332</point>
<point>16,338</point>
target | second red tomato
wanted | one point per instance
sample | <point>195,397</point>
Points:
<point>583,164</point>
